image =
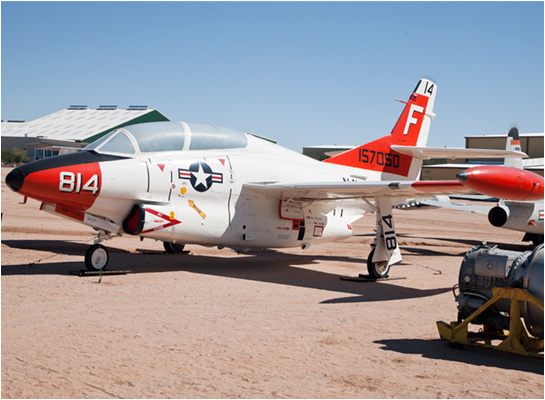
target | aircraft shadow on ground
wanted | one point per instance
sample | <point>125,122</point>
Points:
<point>427,252</point>
<point>439,350</point>
<point>472,243</point>
<point>55,246</point>
<point>272,267</point>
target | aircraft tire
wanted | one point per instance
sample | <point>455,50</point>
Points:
<point>173,248</point>
<point>377,270</point>
<point>96,257</point>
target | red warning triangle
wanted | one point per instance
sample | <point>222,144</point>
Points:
<point>222,161</point>
<point>162,166</point>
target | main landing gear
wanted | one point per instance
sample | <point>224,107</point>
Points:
<point>173,248</point>
<point>385,247</point>
<point>377,270</point>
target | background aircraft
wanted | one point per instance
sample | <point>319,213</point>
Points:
<point>202,184</point>
<point>518,193</point>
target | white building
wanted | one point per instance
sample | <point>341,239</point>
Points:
<point>75,127</point>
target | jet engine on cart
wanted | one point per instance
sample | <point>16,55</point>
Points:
<point>499,289</point>
<point>484,268</point>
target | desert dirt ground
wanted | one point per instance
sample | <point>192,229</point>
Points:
<point>216,324</point>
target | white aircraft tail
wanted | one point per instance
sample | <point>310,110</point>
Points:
<point>513,143</point>
<point>412,129</point>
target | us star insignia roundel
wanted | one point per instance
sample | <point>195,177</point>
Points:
<point>200,175</point>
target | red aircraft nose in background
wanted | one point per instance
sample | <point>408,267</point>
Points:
<point>503,182</point>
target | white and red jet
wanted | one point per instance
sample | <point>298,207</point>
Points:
<point>520,192</point>
<point>203,184</point>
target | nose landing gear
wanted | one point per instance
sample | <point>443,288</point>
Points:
<point>96,256</point>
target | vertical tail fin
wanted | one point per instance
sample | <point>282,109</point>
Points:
<point>412,129</point>
<point>513,143</point>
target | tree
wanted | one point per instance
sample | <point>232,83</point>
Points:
<point>13,155</point>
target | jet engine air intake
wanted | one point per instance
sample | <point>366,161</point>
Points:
<point>134,223</point>
<point>498,216</point>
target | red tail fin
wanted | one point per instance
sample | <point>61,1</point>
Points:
<point>411,129</point>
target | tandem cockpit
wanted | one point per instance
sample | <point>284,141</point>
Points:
<point>160,137</point>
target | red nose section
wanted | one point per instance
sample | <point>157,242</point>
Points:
<point>504,182</point>
<point>72,180</point>
<point>75,186</point>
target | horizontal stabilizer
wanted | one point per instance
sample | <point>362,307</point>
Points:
<point>336,153</point>
<point>426,153</point>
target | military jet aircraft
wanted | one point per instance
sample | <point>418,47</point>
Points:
<point>518,195</point>
<point>520,192</point>
<point>188,183</point>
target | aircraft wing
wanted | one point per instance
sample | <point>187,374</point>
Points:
<point>474,208</point>
<point>426,153</point>
<point>343,190</point>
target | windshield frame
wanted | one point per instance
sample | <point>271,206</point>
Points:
<point>98,145</point>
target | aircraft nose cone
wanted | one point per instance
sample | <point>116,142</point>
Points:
<point>462,176</point>
<point>15,179</point>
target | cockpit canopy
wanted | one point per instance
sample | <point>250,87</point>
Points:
<point>155,137</point>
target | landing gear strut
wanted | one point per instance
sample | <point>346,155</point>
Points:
<point>385,247</point>
<point>96,256</point>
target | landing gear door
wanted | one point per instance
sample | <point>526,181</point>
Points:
<point>386,247</point>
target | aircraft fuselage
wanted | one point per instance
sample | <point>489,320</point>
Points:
<point>199,196</point>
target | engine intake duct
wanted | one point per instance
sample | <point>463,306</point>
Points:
<point>498,216</point>
<point>134,223</point>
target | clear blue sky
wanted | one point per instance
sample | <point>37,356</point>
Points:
<point>302,73</point>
